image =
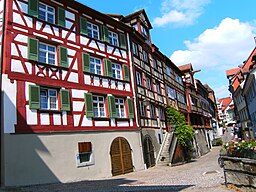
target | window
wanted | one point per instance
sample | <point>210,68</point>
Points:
<point>144,31</point>
<point>48,99</point>
<point>145,56</point>
<point>149,83</point>
<point>193,101</point>
<point>135,26</point>
<point>178,79</point>
<point>46,13</point>
<point>113,38</point>
<point>154,64</point>
<point>152,111</point>
<point>171,92</point>
<point>98,106</point>
<point>180,98</point>
<point>168,71</point>
<point>85,154</point>
<point>138,78</point>
<point>95,66</point>
<point>158,87</point>
<point>161,112</point>
<point>93,30</point>
<point>116,70</point>
<point>120,108</point>
<point>47,53</point>
<point>142,108</point>
<point>135,49</point>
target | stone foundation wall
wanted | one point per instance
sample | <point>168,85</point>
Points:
<point>240,172</point>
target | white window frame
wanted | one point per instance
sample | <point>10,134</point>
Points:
<point>171,92</point>
<point>48,53</point>
<point>93,30</point>
<point>145,56</point>
<point>120,111</point>
<point>142,108</point>
<point>144,31</point>
<point>138,78</point>
<point>85,163</point>
<point>113,38</point>
<point>117,71</point>
<point>94,63</point>
<point>98,106</point>
<point>135,49</point>
<point>48,97</point>
<point>46,12</point>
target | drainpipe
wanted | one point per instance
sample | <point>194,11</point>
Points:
<point>1,95</point>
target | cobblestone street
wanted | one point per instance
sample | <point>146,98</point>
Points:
<point>200,175</point>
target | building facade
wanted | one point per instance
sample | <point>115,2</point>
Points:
<point>68,100</point>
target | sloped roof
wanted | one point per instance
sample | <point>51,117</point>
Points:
<point>232,72</point>
<point>225,102</point>
<point>136,13</point>
<point>186,67</point>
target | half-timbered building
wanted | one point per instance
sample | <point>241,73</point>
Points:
<point>67,94</point>
<point>199,116</point>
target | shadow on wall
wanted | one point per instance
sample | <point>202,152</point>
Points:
<point>22,164</point>
<point>104,185</point>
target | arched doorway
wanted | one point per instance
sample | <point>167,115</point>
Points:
<point>121,157</point>
<point>148,150</point>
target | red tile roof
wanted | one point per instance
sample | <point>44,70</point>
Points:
<point>186,67</point>
<point>225,102</point>
<point>231,72</point>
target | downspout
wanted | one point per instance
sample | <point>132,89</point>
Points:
<point>1,95</point>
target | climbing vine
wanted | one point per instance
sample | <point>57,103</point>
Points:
<point>183,131</point>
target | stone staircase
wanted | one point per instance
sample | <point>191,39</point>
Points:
<point>164,157</point>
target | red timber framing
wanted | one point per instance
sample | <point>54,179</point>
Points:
<point>22,70</point>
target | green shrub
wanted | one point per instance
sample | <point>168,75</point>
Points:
<point>217,142</point>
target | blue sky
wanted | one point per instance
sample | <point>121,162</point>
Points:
<point>213,35</point>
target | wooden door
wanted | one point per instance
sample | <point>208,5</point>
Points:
<point>148,150</point>
<point>121,157</point>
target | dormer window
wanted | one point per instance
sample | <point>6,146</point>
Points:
<point>144,31</point>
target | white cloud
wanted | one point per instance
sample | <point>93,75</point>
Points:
<point>218,49</point>
<point>224,46</point>
<point>180,12</point>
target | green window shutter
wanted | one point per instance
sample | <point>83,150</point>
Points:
<point>34,97</point>
<point>88,104</point>
<point>33,49</point>
<point>64,100</point>
<point>111,106</point>
<point>104,33</point>
<point>108,68</point>
<point>86,62</point>
<point>126,73</point>
<point>83,26</point>
<point>61,17</point>
<point>33,8</point>
<point>122,40</point>
<point>63,53</point>
<point>130,108</point>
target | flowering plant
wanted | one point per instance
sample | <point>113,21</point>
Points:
<point>241,148</point>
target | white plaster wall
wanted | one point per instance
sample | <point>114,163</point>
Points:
<point>9,104</point>
<point>50,158</point>
<point>45,119</point>
<point>122,124</point>
<point>56,119</point>
<point>102,123</point>
<point>77,93</point>
<point>73,77</point>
